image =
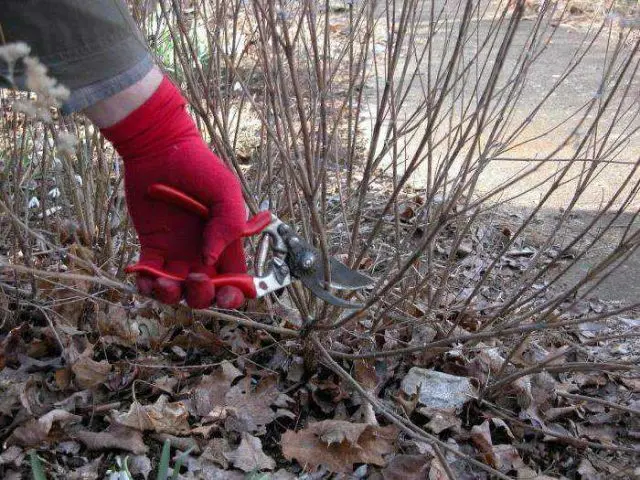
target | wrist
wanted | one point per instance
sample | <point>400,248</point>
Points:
<point>112,110</point>
<point>157,124</point>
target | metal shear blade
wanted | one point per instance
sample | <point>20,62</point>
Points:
<point>342,277</point>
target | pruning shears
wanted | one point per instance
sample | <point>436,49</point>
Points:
<point>292,258</point>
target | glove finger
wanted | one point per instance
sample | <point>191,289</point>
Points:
<point>229,297</point>
<point>200,292</point>
<point>148,258</point>
<point>232,259</point>
<point>167,290</point>
<point>145,284</point>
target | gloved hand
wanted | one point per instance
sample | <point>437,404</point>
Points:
<point>159,143</point>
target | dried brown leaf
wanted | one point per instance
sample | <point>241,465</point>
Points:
<point>205,470</point>
<point>507,458</point>
<point>140,465</point>
<point>438,391</point>
<point>115,436</point>
<point>199,337</point>
<point>217,451</point>
<point>597,379</point>
<point>481,437</point>
<point>211,391</point>
<point>338,445</point>
<point>437,471</point>
<point>407,467</point>
<point>88,471</point>
<point>13,347</point>
<point>90,374</point>
<point>115,327</point>
<point>441,422</point>
<point>162,416</point>
<point>13,454</point>
<point>632,384</point>
<point>587,472</point>
<point>36,432</point>
<point>249,456</point>
<point>251,407</point>
<point>365,374</point>
<point>11,385</point>
<point>601,433</point>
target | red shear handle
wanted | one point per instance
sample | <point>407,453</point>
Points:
<point>167,194</point>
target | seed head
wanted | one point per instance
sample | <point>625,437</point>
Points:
<point>66,143</point>
<point>13,51</point>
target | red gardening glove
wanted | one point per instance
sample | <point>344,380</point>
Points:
<point>159,143</point>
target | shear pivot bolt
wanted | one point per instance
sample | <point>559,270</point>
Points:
<point>307,261</point>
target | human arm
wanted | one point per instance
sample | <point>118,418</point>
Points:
<point>95,50</point>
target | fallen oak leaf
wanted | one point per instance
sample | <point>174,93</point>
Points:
<point>12,455</point>
<point>442,421</point>
<point>337,432</point>
<point>202,468</point>
<point>115,327</point>
<point>36,432</point>
<point>507,458</point>
<point>337,444</point>
<point>407,467</point>
<point>586,470</point>
<point>438,391</point>
<point>481,437</point>
<point>87,372</point>
<point>217,451</point>
<point>632,384</point>
<point>249,408</point>
<point>90,374</point>
<point>88,471</point>
<point>140,465</point>
<point>162,416</point>
<point>249,456</point>
<point>200,338</point>
<point>115,436</point>
<point>211,391</point>
<point>437,471</point>
<point>365,374</point>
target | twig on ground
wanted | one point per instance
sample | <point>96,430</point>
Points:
<point>601,401</point>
